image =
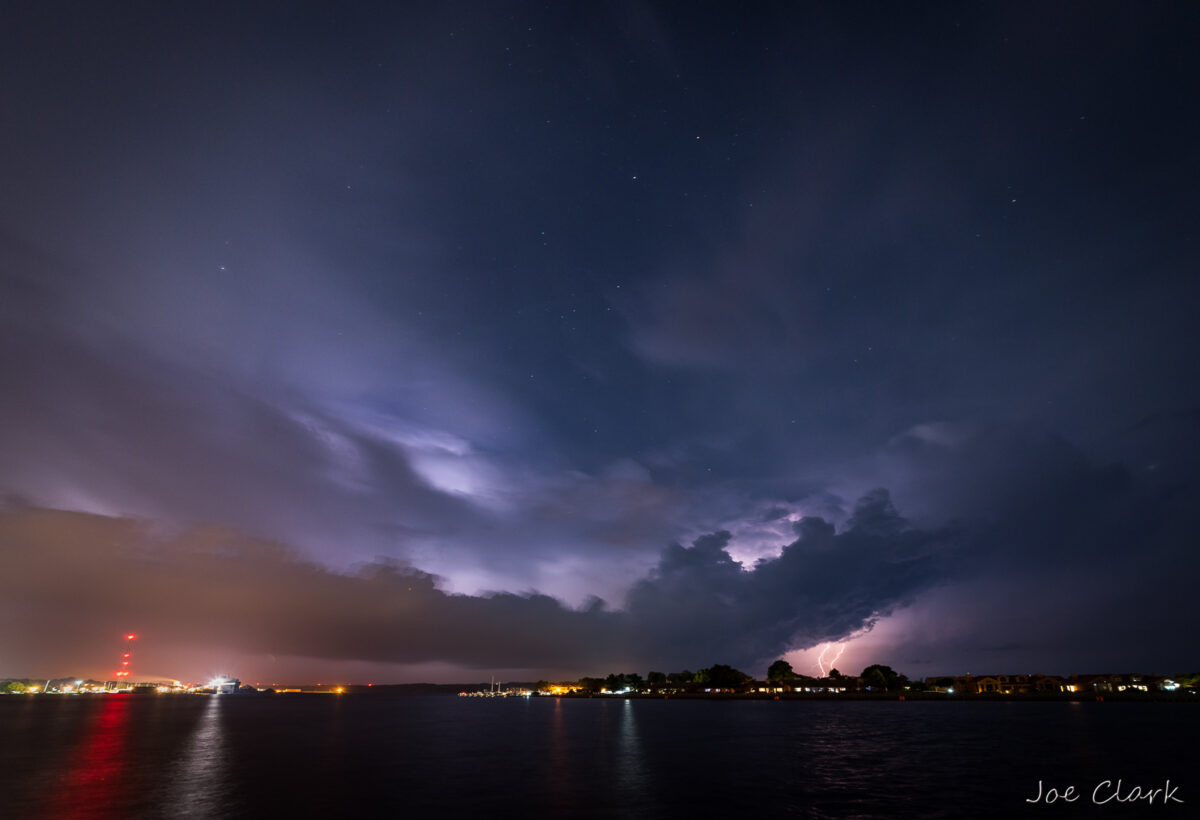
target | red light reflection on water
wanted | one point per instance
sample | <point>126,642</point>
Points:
<point>92,785</point>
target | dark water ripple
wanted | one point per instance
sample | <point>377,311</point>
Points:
<point>394,756</point>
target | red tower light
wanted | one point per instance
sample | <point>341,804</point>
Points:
<point>124,672</point>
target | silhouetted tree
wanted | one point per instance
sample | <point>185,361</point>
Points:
<point>779,671</point>
<point>720,676</point>
<point>877,676</point>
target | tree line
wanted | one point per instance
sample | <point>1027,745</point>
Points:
<point>719,676</point>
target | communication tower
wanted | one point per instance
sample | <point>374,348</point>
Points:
<point>124,667</point>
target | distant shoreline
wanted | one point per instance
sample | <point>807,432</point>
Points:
<point>416,690</point>
<point>1075,697</point>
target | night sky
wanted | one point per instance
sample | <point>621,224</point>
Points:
<point>394,343</point>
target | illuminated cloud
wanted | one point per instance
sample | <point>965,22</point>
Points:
<point>200,589</point>
<point>519,318</point>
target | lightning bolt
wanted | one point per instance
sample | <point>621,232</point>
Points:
<point>841,647</point>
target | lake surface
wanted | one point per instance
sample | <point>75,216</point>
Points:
<point>369,755</point>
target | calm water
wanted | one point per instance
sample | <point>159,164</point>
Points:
<point>393,756</point>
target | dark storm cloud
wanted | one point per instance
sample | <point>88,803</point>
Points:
<point>82,578</point>
<point>823,586</point>
<point>1080,562</point>
<point>1083,568</point>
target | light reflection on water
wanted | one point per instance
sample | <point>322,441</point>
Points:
<point>198,785</point>
<point>630,763</point>
<point>558,760</point>
<point>94,774</point>
<point>314,756</point>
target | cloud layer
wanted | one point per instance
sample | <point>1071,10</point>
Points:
<point>464,299</point>
<point>72,581</point>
